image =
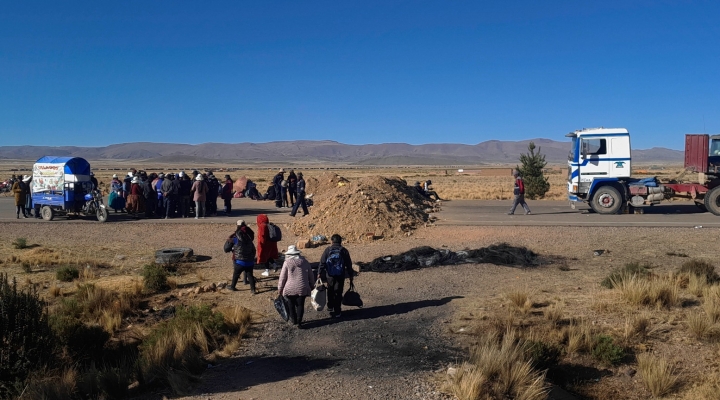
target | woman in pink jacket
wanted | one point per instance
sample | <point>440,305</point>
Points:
<point>295,283</point>
<point>199,190</point>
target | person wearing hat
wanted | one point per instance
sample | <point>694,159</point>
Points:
<point>170,191</point>
<point>149,193</point>
<point>300,192</point>
<point>135,200</point>
<point>227,194</point>
<point>519,194</point>
<point>295,284</point>
<point>126,184</point>
<point>292,187</point>
<point>335,265</point>
<point>116,199</point>
<point>185,196</point>
<point>429,192</point>
<point>93,180</point>
<point>157,183</point>
<point>241,245</point>
<point>20,190</point>
<point>277,184</point>
<point>199,190</point>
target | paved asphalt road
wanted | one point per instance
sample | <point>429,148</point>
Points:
<point>456,212</point>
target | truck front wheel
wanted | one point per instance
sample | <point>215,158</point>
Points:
<point>607,200</point>
<point>712,200</point>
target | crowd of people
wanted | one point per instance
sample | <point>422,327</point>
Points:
<point>297,279</point>
<point>170,195</point>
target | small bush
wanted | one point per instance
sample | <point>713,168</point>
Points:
<point>606,351</point>
<point>26,267</point>
<point>657,374</point>
<point>542,355</point>
<point>67,274</point>
<point>629,270</point>
<point>700,268</point>
<point>27,341</point>
<point>20,243</point>
<point>155,277</point>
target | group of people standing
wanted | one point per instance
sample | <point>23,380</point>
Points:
<point>290,191</point>
<point>170,195</point>
<point>297,279</point>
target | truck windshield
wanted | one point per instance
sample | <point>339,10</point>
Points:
<point>573,146</point>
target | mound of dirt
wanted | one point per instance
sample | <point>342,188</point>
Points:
<point>426,256</point>
<point>365,209</point>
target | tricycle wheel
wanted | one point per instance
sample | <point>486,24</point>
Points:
<point>102,214</point>
<point>712,199</point>
<point>47,213</point>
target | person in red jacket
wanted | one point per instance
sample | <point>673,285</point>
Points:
<point>267,250</point>
<point>519,193</point>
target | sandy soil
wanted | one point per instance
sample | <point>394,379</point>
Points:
<point>413,322</point>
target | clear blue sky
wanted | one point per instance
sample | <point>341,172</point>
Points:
<point>101,72</point>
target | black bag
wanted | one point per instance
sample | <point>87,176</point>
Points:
<point>228,246</point>
<point>274,232</point>
<point>352,298</point>
<point>281,308</point>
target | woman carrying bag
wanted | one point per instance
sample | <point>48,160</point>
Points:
<point>295,284</point>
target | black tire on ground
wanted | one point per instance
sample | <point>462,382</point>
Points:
<point>172,255</point>
<point>712,199</point>
<point>102,214</point>
<point>607,200</point>
<point>47,213</point>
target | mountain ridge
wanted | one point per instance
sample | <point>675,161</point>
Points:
<point>487,152</point>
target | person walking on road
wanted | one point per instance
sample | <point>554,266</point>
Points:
<point>243,254</point>
<point>199,190</point>
<point>295,284</point>
<point>300,192</point>
<point>335,266</point>
<point>519,194</point>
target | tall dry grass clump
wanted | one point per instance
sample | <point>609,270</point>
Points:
<point>554,313</point>
<point>657,374</point>
<point>520,300</point>
<point>497,369</point>
<point>637,326</point>
<point>697,284</point>
<point>699,325</point>
<point>579,337</point>
<point>663,291</point>
<point>700,268</point>
<point>711,303</point>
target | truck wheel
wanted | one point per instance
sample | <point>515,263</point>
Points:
<point>712,200</point>
<point>47,213</point>
<point>607,200</point>
<point>102,214</point>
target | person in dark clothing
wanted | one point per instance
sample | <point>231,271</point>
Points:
<point>429,192</point>
<point>519,194</point>
<point>185,186</point>
<point>292,185</point>
<point>149,194</point>
<point>277,181</point>
<point>157,184</point>
<point>335,266</point>
<point>170,190</point>
<point>227,194</point>
<point>243,254</point>
<point>93,180</point>
<point>212,195</point>
<point>300,192</point>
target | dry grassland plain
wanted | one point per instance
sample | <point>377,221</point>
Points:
<point>666,320</point>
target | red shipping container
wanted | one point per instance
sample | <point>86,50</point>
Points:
<point>696,152</point>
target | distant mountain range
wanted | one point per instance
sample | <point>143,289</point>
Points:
<point>325,151</point>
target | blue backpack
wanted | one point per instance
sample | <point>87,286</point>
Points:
<point>334,263</point>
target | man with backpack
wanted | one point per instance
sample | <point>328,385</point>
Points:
<point>335,265</point>
<point>519,192</point>
<point>243,254</point>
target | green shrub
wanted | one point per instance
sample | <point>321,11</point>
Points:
<point>20,243</point>
<point>67,274</point>
<point>620,274</point>
<point>700,268</point>
<point>155,277</point>
<point>606,351</point>
<point>27,343</point>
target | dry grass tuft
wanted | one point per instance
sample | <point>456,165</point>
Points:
<point>699,325</point>
<point>697,284</point>
<point>497,368</point>
<point>711,303</point>
<point>657,374</point>
<point>636,327</point>
<point>661,291</point>
<point>520,300</point>
<point>59,387</point>
<point>579,337</point>
<point>54,291</point>
<point>555,312</point>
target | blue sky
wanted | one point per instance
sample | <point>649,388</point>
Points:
<point>98,72</point>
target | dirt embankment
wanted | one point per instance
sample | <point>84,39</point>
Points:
<point>368,208</point>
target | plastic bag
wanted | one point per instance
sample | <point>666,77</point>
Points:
<point>352,298</point>
<point>281,308</point>
<point>318,297</point>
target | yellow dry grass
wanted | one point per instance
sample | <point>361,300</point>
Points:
<point>657,374</point>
